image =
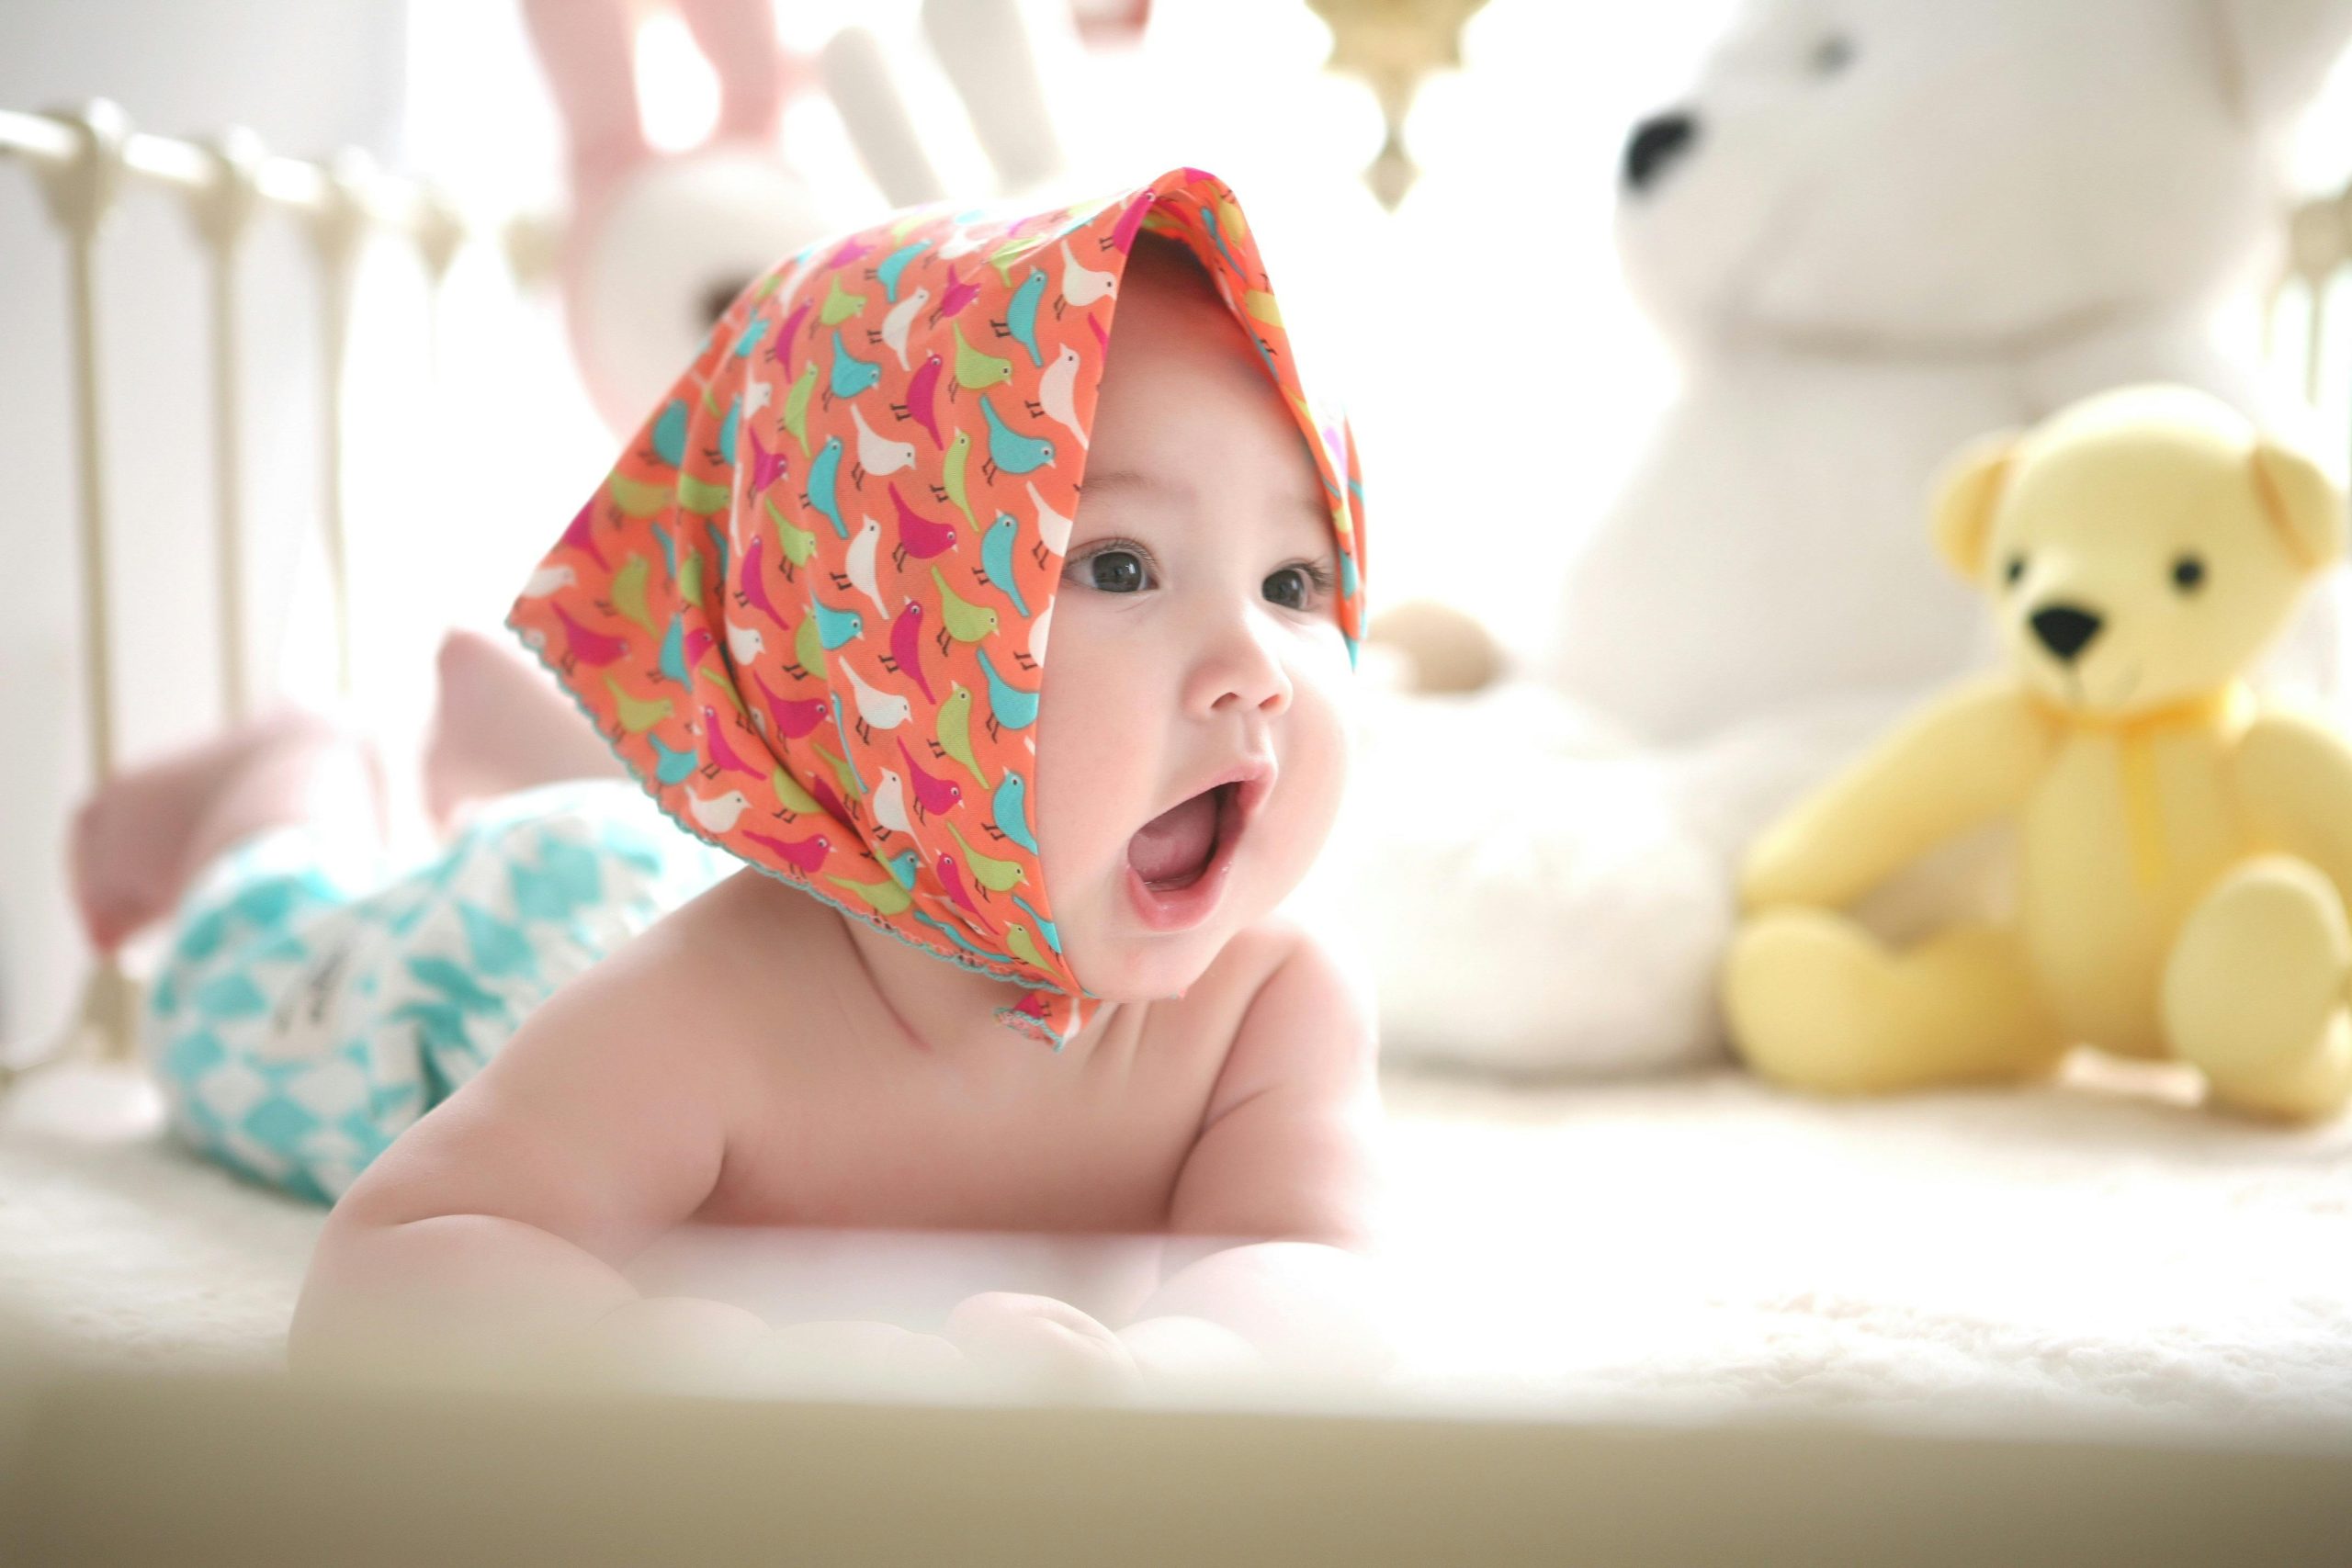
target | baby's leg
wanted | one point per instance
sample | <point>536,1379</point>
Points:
<point>1815,1000</point>
<point>499,725</point>
<point>2254,992</point>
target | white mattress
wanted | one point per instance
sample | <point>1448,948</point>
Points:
<point>1701,1245</point>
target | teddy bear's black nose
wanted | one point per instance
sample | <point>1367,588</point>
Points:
<point>2065,629</point>
<point>1655,143</point>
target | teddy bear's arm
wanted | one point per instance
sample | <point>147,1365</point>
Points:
<point>2293,776</point>
<point>1972,755</point>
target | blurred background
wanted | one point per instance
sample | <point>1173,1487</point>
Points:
<point>471,436</point>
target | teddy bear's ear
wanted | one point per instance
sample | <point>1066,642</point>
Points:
<point>2303,500</point>
<point>1966,492</point>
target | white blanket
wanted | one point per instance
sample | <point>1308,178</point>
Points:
<point>1701,1246</point>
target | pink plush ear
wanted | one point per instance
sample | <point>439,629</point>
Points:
<point>755,78</point>
<point>588,48</point>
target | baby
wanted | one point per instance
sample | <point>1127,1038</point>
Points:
<point>809,611</point>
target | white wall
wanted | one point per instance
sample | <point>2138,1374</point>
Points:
<point>309,78</point>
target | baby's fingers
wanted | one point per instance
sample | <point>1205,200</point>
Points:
<point>1047,1346</point>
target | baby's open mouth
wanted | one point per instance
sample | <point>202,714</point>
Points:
<point>1176,847</point>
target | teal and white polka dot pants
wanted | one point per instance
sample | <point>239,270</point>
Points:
<point>314,1003</point>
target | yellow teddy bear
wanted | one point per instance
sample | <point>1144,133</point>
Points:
<point>2184,859</point>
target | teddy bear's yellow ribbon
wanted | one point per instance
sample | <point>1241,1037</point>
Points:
<point>2135,736</point>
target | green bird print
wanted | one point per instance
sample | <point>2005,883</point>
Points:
<point>790,797</point>
<point>795,406</point>
<point>952,732</point>
<point>1017,938</point>
<point>884,897</point>
<point>960,618</point>
<point>951,470</point>
<point>797,544</point>
<point>627,599</point>
<point>808,651</point>
<point>845,777</point>
<point>975,371</point>
<point>840,305</point>
<point>996,875</point>
<point>637,715</point>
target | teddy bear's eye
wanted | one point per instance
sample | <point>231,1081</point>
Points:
<point>1832,54</point>
<point>2015,569</point>
<point>2187,574</point>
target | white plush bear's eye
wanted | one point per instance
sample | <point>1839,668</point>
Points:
<point>2014,570</point>
<point>2187,574</point>
<point>1832,54</point>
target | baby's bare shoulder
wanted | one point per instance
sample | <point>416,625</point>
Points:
<point>1305,1019</point>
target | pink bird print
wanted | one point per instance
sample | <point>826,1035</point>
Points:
<point>766,467</point>
<point>918,536</point>
<point>781,349</point>
<point>792,719</point>
<point>1122,234</point>
<point>951,876</point>
<point>852,250</point>
<point>581,534</point>
<point>722,756</point>
<point>922,400</point>
<point>906,648</point>
<point>750,587</point>
<point>952,299</point>
<point>1102,338</point>
<point>804,855</point>
<point>933,793</point>
<point>698,642</point>
<point>586,645</point>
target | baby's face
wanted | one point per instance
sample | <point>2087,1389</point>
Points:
<point>1191,739</point>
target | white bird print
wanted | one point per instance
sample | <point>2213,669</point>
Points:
<point>1037,634</point>
<point>889,802</point>
<point>876,709</point>
<point>1052,527</point>
<point>744,644</point>
<point>1081,285</point>
<point>718,814</point>
<point>877,454</point>
<point>963,243</point>
<point>546,579</point>
<point>861,551</point>
<point>902,317</point>
<point>1057,392</point>
<point>762,394</point>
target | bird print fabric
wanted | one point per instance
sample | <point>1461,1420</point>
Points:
<point>809,606</point>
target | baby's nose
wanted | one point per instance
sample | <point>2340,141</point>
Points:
<point>2066,629</point>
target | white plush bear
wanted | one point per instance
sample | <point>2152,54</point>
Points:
<point>1874,230</point>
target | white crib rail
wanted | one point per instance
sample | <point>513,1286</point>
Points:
<point>83,160</point>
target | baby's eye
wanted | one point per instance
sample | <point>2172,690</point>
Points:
<point>1289,587</point>
<point>1115,572</point>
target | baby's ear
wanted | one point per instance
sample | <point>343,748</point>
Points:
<point>1966,491</point>
<point>2302,501</point>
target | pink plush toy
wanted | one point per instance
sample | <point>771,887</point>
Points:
<point>658,244</point>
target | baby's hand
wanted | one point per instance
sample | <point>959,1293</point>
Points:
<point>1043,1342</point>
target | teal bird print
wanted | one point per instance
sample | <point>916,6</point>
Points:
<point>673,767</point>
<point>834,627</point>
<point>668,551</point>
<point>901,867</point>
<point>670,433</point>
<point>851,375</point>
<point>996,559</point>
<point>895,264</point>
<point>1209,219</point>
<point>728,433</point>
<point>1020,315</point>
<point>1046,928</point>
<point>673,652</point>
<point>1009,706</point>
<point>1010,807</point>
<point>749,339</point>
<point>825,484</point>
<point>1009,450</point>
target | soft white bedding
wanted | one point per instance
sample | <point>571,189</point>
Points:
<point>2080,1252</point>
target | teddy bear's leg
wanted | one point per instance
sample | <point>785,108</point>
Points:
<point>2254,992</point>
<point>1815,1000</point>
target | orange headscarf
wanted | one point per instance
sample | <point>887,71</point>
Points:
<point>809,605</point>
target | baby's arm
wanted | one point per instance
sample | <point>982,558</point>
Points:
<point>497,1225</point>
<point>1286,1164</point>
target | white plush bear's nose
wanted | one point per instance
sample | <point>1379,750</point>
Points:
<point>2065,629</point>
